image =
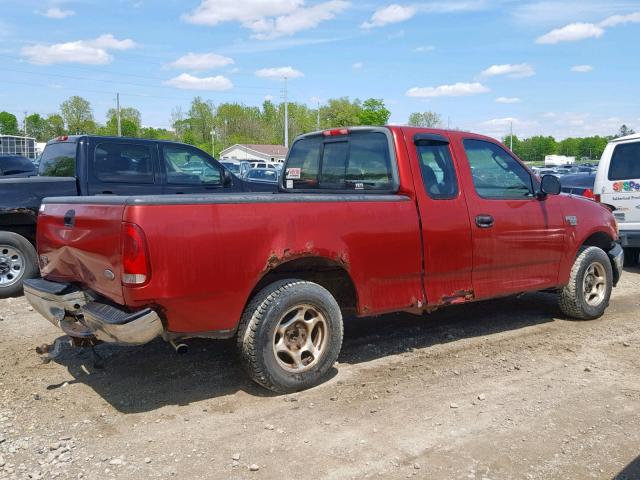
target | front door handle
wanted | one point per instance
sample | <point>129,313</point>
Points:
<point>484,221</point>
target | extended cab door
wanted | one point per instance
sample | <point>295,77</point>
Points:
<point>122,167</point>
<point>444,219</point>
<point>518,239</point>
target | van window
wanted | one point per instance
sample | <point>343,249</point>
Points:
<point>358,161</point>
<point>59,160</point>
<point>625,162</point>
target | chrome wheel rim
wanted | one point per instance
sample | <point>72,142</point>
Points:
<point>11,265</point>
<point>300,338</point>
<point>594,285</point>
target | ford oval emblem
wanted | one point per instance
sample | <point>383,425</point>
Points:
<point>109,275</point>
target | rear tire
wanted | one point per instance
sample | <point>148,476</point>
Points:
<point>587,294</point>
<point>18,261</point>
<point>631,257</point>
<point>290,335</point>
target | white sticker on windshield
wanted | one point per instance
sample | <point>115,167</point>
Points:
<point>289,183</point>
<point>293,173</point>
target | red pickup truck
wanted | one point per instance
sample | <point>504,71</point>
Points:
<point>366,221</point>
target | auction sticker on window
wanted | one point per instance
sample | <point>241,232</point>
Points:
<point>293,173</point>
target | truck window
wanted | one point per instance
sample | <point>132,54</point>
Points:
<point>625,162</point>
<point>185,166</point>
<point>496,174</point>
<point>59,160</point>
<point>438,173</point>
<point>122,163</point>
<point>358,161</point>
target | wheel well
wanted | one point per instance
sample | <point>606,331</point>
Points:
<point>21,221</point>
<point>322,271</point>
<point>600,240</point>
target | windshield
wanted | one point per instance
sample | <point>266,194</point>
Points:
<point>58,160</point>
<point>233,167</point>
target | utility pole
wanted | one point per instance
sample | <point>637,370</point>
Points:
<point>118,114</point>
<point>286,115</point>
<point>213,142</point>
<point>511,137</point>
<point>318,119</point>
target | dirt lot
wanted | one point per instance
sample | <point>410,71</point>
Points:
<point>496,390</point>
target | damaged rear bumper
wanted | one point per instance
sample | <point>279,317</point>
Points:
<point>79,313</point>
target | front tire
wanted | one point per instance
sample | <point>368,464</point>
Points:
<point>18,261</point>
<point>587,294</point>
<point>290,335</point>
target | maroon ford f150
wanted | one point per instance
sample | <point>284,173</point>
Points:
<point>367,221</point>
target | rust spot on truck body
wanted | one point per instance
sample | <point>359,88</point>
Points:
<point>460,296</point>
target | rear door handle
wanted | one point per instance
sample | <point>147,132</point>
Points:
<point>484,221</point>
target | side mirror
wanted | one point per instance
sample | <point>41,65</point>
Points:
<point>226,177</point>
<point>550,185</point>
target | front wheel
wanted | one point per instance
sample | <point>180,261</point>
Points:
<point>17,263</point>
<point>290,335</point>
<point>587,294</point>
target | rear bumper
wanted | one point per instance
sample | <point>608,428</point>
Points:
<point>79,313</point>
<point>630,238</point>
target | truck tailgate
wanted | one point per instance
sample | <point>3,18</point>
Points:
<point>80,243</point>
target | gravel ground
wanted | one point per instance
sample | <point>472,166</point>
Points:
<point>495,390</point>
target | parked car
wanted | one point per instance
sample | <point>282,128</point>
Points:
<point>582,169</point>
<point>238,168</point>
<point>618,184</point>
<point>91,165</point>
<point>579,184</point>
<point>16,165</point>
<point>258,164</point>
<point>262,175</point>
<point>368,220</point>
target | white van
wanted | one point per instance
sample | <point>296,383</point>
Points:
<point>618,184</point>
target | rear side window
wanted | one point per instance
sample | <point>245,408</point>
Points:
<point>122,163</point>
<point>59,160</point>
<point>358,161</point>
<point>438,173</point>
<point>625,162</point>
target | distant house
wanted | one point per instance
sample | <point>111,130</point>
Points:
<point>253,152</point>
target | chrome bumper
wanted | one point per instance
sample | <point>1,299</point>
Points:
<point>78,313</point>
<point>616,255</point>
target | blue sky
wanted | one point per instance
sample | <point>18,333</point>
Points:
<point>556,68</point>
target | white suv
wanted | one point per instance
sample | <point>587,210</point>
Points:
<point>618,184</point>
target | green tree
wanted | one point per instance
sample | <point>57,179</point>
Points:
<point>624,131</point>
<point>8,124</point>
<point>126,113</point>
<point>426,119</point>
<point>77,115</point>
<point>128,127</point>
<point>592,147</point>
<point>54,126</point>
<point>507,140</point>
<point>36,127</point>
<point>201,119</point>
<point>569,147</point>
<point>341,112</point>
<point>373,112</point>
<point>156,133</point>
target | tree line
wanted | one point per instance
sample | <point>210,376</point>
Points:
<point>207,125</point>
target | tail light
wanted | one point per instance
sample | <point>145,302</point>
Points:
<point>597,198</point>
<point>336,131</point>
<point>62,138</point>
<point>135,258</point>
<point>589,194</point>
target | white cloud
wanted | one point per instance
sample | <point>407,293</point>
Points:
<point>201,61</point>
<point>57,13</point>
<point>571,33</point>
<point>393,13</point>
<point>508,100</point>
<point>456,90</point>
<point>185,81</point>
<point>519,70</point>
<point>357,66</point>
<point>582,68</point>
<point>89,52</point>
<point>268,20</point>
<point>615,20</point>
<point>279,72</point>
<point>424,48</point>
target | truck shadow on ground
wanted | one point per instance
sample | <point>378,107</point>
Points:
<point>630,472</point>
<point>146,378</point>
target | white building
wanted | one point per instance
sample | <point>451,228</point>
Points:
<point>253,152</point>
<point>558,160</point>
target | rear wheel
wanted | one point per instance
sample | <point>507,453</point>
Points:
<point>587,294</point>
<point>290,335</point>
<point>17,263</point>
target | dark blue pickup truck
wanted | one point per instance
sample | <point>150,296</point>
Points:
<point>91,165</point>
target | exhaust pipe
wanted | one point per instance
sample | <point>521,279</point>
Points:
<point>180,348</point>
